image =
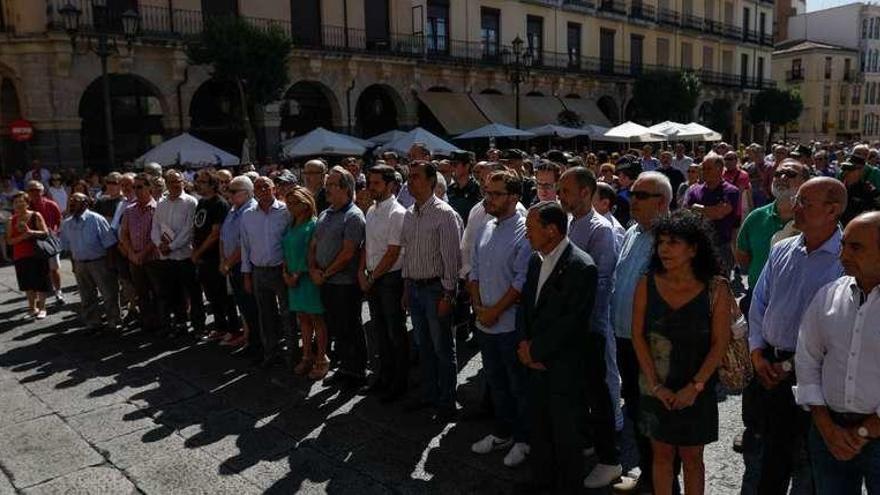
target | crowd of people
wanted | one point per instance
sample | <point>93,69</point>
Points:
<point>598,288</point>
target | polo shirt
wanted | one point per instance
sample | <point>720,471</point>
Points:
<point>335,226</point>
<point>755,237</point>
<point>725,192</point>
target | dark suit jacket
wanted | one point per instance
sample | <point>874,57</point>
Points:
<point>558,324</point>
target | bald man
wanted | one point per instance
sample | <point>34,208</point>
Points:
<point>796,269</point>
<point>837,367</point>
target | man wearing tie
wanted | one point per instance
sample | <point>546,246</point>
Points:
<point>566,361</point>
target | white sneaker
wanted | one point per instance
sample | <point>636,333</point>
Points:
<point>490,443</point>
<point>602,475</point>
<point>59,297</point>
<point>517,454</point>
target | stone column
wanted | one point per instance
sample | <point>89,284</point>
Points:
<point>267,127</point>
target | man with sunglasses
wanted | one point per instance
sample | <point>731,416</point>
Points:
<point>862,194</point>
<point>796,269</point>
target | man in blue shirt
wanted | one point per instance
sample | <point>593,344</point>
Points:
<point>650,195</point>
<point>796,269</point>
<point>262,256</point>
<point>498,272</point>
<point>87,235</point>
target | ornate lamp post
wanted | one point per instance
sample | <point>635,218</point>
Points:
<point>102,42</point>
<point>518,70</point>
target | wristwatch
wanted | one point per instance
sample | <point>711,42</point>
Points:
<point>863,432</point>
<point>698,386</point>
<point>786,366</point>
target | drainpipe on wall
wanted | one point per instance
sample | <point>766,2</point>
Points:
<point>348,104</point>
<point>180,97</point>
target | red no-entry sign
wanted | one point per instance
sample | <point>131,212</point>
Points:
<point>21,130</point>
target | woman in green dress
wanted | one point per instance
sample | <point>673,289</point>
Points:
<point>680,332</point>
<point>304,296</point>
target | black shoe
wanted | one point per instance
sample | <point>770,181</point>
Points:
<point>375,388</point>
<point>445,415</point>
<point>271,362</point>
<point>414,405</point>
<point>475,414</point>
<point>392,395</point>
<point>337,379</point>
<point>531,488</point>
<point>738,443</point>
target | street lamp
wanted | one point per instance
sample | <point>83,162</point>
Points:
<point>518,70</point>
<point>101,42</point>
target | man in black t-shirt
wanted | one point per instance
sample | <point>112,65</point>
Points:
<point>210,213</point>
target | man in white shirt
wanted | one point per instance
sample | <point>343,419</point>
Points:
<point>379,278</point>
<point>838,374</point>
<point>172,232</point>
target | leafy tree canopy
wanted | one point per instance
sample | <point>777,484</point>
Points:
<point>776,106</point>
<point>659,96</point>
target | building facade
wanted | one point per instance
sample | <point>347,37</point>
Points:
<point>856,27</point>
<point>366,66</point>
<point>830,84</point>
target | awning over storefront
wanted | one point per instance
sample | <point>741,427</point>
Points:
<point>534,110</point>
<point>455,111</point>
<point>587,110</point>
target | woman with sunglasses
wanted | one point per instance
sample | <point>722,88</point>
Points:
<point>304,296</point>
<point>31,271</point>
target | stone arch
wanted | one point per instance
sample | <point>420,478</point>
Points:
<point>137,106</point>
<point>307,105</point>
<point>573,95</point>
<point>216,115</point>
<point>631,111</point>
<point>608,106</point>
<point>491,91</point>
<point>439,89</point>
<point>379,108</point>
<point>534,93</point>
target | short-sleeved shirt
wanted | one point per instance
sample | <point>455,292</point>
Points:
<point>755,237</point>
<point>209,212</point>
<point>50,212</point>
<point>334,227</point>
<point>463,198</point>
<point>725,192</point>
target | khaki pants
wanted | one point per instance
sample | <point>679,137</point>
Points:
<point>93,277</point>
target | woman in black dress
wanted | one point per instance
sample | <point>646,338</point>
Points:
<point>681,328</point>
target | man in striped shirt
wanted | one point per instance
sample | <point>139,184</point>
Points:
<point>431,239</point>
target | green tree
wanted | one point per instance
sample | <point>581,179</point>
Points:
<point>776,107</point>
<point>719,116</point>
<point>253,59</point>
<point>662,95</point>
<point>569,118</point>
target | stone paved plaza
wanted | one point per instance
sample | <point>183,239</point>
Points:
<point>130,413</point>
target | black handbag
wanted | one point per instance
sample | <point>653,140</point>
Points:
<point>46,246</point>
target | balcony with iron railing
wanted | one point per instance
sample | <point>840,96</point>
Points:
<point>794,75</point>
<point>692,22</point>
<point>612,6</point>
<point>640,11</point>
<point>579,5</point>
<point>182,25</point>
<point>668,17</point>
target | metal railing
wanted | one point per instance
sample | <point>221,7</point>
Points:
<point>613,6</point>
<point>794,75</point>
<point>582,5</point>
<point>669,17</point>
<point>690,21</point>
<point>182,25</point>
<point>639,10</point>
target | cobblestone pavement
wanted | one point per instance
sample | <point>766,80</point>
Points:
<point>131,413</point>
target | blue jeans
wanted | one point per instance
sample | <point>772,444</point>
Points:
<point>506,378</point>
<point>437,359</point>
<point>836,477</point>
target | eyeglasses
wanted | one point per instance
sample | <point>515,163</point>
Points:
<point>788,174</point>
<point>643,195</point>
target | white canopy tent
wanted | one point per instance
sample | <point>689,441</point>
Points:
<point>186,149</point>
<point>495,131</point>
<point>630,132</point>
<point>558,131</point>
<point>435,145</point>
<point>666,128</point>
<point>323,142</point>
<point>696,132</point>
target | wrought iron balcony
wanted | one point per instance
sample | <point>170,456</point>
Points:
<point>669,17</point>
<point>690,21</point>
<point>613,6</point>
<point>638,10</point>
<point>794,75</point>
